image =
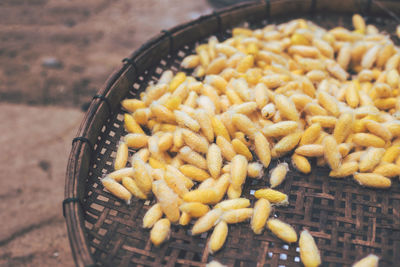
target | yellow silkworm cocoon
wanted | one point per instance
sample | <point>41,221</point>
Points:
<point>343,127</point>
<point>154,93</point>
<point>160,232</point>
<point>314,109</point>
<point>208,183</point>
<point>331,152</point>
<point>282,230</point>
<point>268,111</point>
<point>373,180</point>
<point>219,128</point>
<point>304,51</point>
<point>217,65</point>
<point>205,124</point>
<point>132,105</point>
<point>325,121</point>
<point>152,216</point>
<point>194,141</point>
<point>393,78</point>
<point>278,174</point>
<point>226,168</point>
<point>311,150</point>
<point>168,200</point>
<point>260,95</point>
<point>173,102</point>
<point>174,171</point>
<point>177,80</point>
<point>316,76</point>
<point>370,57</point>
<point>359,23</point>
<point>132,187</point>
<point>287,143</point>
<point>391,154</point>
<point>345,148</point>
<point>194,172</point>
<point>121,173</point>
<point>355,156</point>
<point>194,209</point>
<point>244,124</point>
<point>329,103</point>
<point>310,134</point>
<point>382,90</point>
<point>142,176</point>
<point>378,129</point>
<point>131,125</point>
<point>237,203</point>
<point>309,253</point>
<point>371,158</point>
<point>262,149</point>
<point>385,103</point>
<point>272,196</point>
<point>156,164</point>
<point>245,63</point>
<point>238,170</point>
<point>192,157</point>
<point>282,128</point>
<point>241,149</point>
<point>344,56</point>
<point>366,140</point>
<point>175,183</point>
<point>369,261</point>
<point>116,189</point>
<point>162,113</point>
<point>254,170</point>
<point>286,107</point>
<point>165,141</point>
<point>184,219</point>
<point>221,187</point>
<point>190,62</point>
<point>184,120</point>
<point>233,97</point>
<point>214,160</point>
<point>301,163</point>
<point>388,170</point>
<point>226,147</point>
<point>217,82</point>
<point>299,39</point>
<point>205,223</point>
<point>218,237</point>
<point>142,154</point>
<point>234,192</point>
<point>262,209</point>
<point>237,215</point>
<point>205,196</point>
<point>245,108</point>
<point>142,116</point>
<point>122,156</point>
<point>394,127</point>
<point>344,170</point>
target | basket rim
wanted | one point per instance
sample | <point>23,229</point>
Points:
<point>82,146</point>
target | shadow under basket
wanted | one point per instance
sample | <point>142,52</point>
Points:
<point>347,220</point>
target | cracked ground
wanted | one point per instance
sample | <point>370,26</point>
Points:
<point>54,55</point>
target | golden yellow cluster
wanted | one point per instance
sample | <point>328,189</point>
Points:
<point>263,94</point>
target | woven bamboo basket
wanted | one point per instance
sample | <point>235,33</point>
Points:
<point>348,221</point>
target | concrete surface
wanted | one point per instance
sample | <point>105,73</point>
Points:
<point>55,54</point>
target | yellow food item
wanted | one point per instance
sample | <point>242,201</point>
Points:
<point>309,253</point>
<point>282,230</point>
<point>160,231</point>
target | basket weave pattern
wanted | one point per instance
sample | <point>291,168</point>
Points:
<point>347,221</point>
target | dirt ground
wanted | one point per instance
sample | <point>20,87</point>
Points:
<point>54,55</point>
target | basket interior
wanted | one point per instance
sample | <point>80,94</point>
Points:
<point>347,221</point>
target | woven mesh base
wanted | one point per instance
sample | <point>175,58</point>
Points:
<point>347,221</point>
